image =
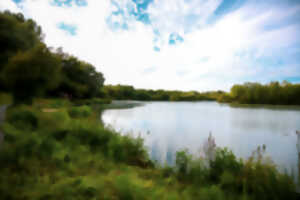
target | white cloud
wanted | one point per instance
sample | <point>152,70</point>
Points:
<point>9,5</point>
<point>212,56</point>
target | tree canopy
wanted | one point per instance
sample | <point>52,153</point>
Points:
<point>29,68</point>
<point>79,79</point>
<point>17,34</point>
<point>275,93</point>
<point>29,73</point>
<point>125,92</point>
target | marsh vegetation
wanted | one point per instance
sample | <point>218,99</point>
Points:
<point>59,155</point>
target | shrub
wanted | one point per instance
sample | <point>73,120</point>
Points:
<point>46,148</point>
<point>124,188</point>
<point>182,161</point>
<point>224,160</point>
<point>55,121</point>
<point>100,101</point>
<point>128,190</point>
<point>167,171</point>
<point>93,101</point>
<point>129,150</point>
<point>212,193</point>
<point>23,118</point>
<point>80,111</point>
<point>58,103</point>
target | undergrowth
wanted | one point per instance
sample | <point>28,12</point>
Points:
<point>68,154</point>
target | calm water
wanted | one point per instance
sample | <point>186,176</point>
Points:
<point>170,126</point>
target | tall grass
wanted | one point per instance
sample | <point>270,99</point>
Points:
<point>80,111</point>
<point>62,155</point>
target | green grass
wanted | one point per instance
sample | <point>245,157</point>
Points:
<point>80,111</point>
<point>93,101</point>
<point>59,155</point>
<point>122,104</point>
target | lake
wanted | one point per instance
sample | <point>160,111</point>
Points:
<point>171,126</point>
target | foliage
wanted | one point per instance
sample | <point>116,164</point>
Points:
<point>30,69</point>
<point>79,79</point>
<point>125,92</point>
<point>51,103</point>
<point>22,118</point>
<point>80,111</point>
<point>17,34</point>
<point>60,157</point>
<point>274,93</point>
<point>55,149</point>
<point>30,73</point>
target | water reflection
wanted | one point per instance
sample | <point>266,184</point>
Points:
<point>175,126</point>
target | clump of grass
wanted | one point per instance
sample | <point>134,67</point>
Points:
<point>80,111</point>
<point>55,121</point>
<point>52,103</point>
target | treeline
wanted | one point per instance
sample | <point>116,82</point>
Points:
<point>274,93</point>
<point>29,68</point>
<point>126,92</point>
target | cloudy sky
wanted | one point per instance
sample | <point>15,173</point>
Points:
<point>175,44</point>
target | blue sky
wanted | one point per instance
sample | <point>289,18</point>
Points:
<point>179,44</point>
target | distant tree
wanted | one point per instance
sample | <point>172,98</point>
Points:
<point>30,73</point>
<point>272,93</point>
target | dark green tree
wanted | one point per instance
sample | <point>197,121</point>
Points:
<point>79,79</point>
<point>30,73</point>
<point>16,34</point>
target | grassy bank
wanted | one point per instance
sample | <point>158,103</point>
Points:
<point>56,149</point>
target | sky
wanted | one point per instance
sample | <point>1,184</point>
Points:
<point>175,44</point>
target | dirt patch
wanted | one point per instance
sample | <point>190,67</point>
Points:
<point>49,110</point>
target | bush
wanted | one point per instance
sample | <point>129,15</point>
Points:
<point>80,111</point>
<point>212,193</point>
<point>182,161</point>
<point>55,121</point>
<point>100,101</point>
<point>128,190</point>
<point>23,118</point>
<point>129,150</point>
<point>225,160</point>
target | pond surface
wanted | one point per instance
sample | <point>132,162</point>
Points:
<point>171,126</point>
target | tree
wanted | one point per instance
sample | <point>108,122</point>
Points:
<point>16,34</point>
<point>30,73</point>
<point>80,79</point>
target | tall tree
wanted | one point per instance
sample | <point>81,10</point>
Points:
<point>30,73</point>
<point>16,34</point>
<point>80,79</point>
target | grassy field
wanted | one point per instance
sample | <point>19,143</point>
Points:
<point>57,149</point>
